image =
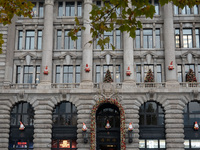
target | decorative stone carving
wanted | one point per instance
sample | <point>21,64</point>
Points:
<point>107,59</point>
<point>67,59</point>
<point>148,58</point>
<point>189,58</point>
<point>28,59</point>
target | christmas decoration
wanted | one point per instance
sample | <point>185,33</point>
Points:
<point>149,77</point>
<point>87,69</point>
<point>130,127</point>
<point>107,125</point>
<point>46,72</point>
<point>21,126</point>
<point>84,128</point>
<point>196,126</point>
<point>190,76</point>
<point>93,122</point>
<point>107,78</point>
<point>171,67</point>
<point>128,72</point>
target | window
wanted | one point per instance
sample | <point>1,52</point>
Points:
<point>38,9</point>
<point>118,39</point>
<point>115,73</point>
<point>39,40</point>
<point>59,39</point>
<point>196,9</point>
<point>151,126</point>
<point>78,41</point>
<point>30,38</point>
<point>64,121</point>
<point>157,38</point>
<point>177,38</point>
<point>147,38</point>
<point>182,74</point>
<point>21,139</point>
<point>198,79</point>
<point>28,74</point>
<point>137,39</point>
<point>191,114</point>
<point>186,10</point>
<point>110,35</point>
<point>69,43</point>
<point>197,38</point>
<point>67,74</point>
<point>141,75</point>
<point>156,4</point>
<point>187,38</point>
<point>70,8</point>
<point>176,10</point>
<point>179,70</point>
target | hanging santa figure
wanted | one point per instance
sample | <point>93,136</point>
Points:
<point>196,126</point>
<point>87,69</point>
<point>107,125</point>
<point>21,126</point>
<point>46,70</point>
<point>130,127</point>
<point>84,128</point>
<point>171,67</point>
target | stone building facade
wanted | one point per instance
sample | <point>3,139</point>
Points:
<point>163,112</point>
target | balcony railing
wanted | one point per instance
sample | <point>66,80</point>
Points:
<point>150,85</point>
<point>23,86</point>
<point>65,85</point>
<point>190,84</point>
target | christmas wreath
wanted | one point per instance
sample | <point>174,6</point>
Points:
<point>93,122</point>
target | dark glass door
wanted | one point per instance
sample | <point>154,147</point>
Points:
<point>108,138</point>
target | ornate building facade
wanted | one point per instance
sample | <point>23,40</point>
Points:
<point>51,85</point>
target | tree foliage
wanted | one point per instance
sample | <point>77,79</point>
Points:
<point>9,8</point>
<point>122,14</point>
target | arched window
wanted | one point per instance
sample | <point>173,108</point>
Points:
<point>108,138</point>
<point>152,127</point>
<point>20,137</point>
<point>191,115</point>
<point>64,131</point>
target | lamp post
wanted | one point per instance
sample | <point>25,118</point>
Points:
<point>85,134</point>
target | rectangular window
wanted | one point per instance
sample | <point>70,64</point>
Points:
<point>197,38</point>
<point>60,9</point>
<point>108,67</point>
<point>176,10</point>
<point>78,41</point>
<point>147,38</point>
<point>18,74</point>
<point>156,4</point>
<point>70,9</point>
<point>186,10</point>
<point>79,9</point>
<point>146,69</point>
<point>67,74</point>
<point>196,9</point>
<point>117,72</point>
<point>69,43</point>
<point>57,74</point>
<point>20,39</point>
<point>118,39</point>
<point>30,37</point>
<point>78,74</point>
<point>137,39</point>
<point>188,67</point>
<point>34,10</point>
<point>41,9</point>
<point>28,74</point>
<point>187,38</point>
<point>157,38</point>
<point>59,39</point>
<point>159,73</point>
<point>110,35</point>
<point>138,73</point>
<point>177,38</point>
<point>98,74</point>
<point>179,70</point>
<point>37,74</point>
<point>39,40</point>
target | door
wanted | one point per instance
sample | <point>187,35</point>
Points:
<point>108,127</point>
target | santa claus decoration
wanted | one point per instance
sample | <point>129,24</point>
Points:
<point>128,72</point>
<point>84,128</point>
<point>46,72</point>
<point>171,67</point>
<point>21,126</point>
<point>196,126</point>
<point>130,127</point>
<point>87,69</point>
<point>107,125</point>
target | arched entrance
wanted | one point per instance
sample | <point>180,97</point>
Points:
<point>108,138</point>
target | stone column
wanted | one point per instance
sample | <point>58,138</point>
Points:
<point>174,126</point>
<point>87,57</point>
<point>169,44</point>
<point>43,125</point>
<point>47,50</point>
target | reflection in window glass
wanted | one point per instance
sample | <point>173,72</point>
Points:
<point>152,143</point>
<point>197,38</point>
<point>118,39</point>
<point>195,143</point>
<point>59,39</point>
<point>177,38</point>
<point>79,5</point>
<point>30,37</point>
<point>186,144</point>
<point>157,38</point>
<point>20,37</point>
<point>179,70</point>
<point>187,38</point>
<point>41,9</point>
<point>162,143</point>
<point>196,9</point>
<point>39,40</point>
<point>137,39</point>
<point>141,143</point>
<point>70,9</point>
<point>176,10</point>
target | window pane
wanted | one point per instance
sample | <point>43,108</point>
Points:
<point>70,10</point>
<point>78,40</point>
<point>186,144</point>
<point>137,39</point>
<point>41,10</point>
<point>157,38</point>
<point>162,144</point>
<point>59,39</point>
<point>30,36</point>
<point>196,11</point>
<point>79,9</point>
<point>195,143</point>
<point>141,143</point>
<point>175,10</point>
<point>39,41</point>
<point>60,9</point>
<point>20,37</point>
<point>152,143</point>
<point>197,37</point>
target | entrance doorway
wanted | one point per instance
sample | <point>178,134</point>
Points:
<point>108,138</point>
